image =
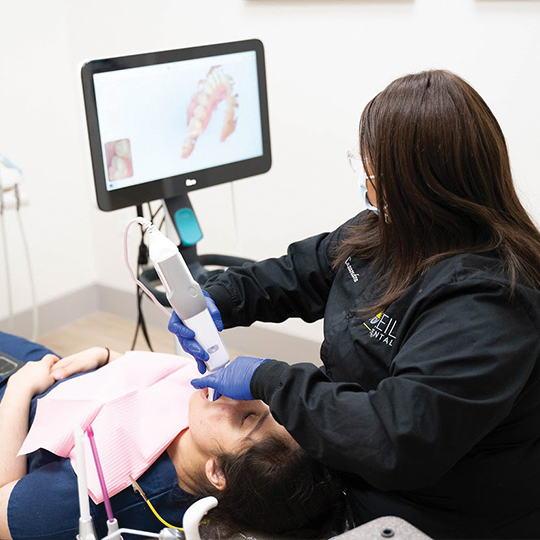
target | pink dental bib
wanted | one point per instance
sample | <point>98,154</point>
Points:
<point>136,405</point>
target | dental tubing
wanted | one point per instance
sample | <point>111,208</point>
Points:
<point>183,292</point>
<point>99,469</point>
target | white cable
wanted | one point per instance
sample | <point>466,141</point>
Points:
<point>13,185</point>
<point>235,218</point>
<point>35,316</point>
<point>8,277</point>
<point>116,534</point>
<point>147,225</point>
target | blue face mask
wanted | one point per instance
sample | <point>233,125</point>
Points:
<point>362,179</point>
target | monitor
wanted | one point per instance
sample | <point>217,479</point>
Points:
<point>162,124</point>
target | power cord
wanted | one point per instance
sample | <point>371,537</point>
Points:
<point>6,261</point>
<point>35,316</point>
<point>142,261</point>
<point>11,196</point>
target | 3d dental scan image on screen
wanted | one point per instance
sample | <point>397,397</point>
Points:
<point>270,270</point>
<point>204,113</point>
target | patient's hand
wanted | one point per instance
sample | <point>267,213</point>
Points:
<point>81,362</point>
<point>34,377</point>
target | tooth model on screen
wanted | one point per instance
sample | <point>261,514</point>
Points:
<point>217,86</point>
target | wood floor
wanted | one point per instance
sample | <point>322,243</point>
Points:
<point>108,330</point>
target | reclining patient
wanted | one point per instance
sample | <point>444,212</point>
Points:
<point>233,450</point>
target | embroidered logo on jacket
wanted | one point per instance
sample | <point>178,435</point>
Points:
<point>382,327</point>
<point>354,275</point>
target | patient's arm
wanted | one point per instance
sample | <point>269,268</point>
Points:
<point>80,362</point>
<point>5,493</point>
<point>32,379</point>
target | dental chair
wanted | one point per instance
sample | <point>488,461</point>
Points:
<point>388,527</point>
<point>383,528</point>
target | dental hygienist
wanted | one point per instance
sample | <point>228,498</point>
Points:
<point>429,400</point>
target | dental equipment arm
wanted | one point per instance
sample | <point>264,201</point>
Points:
<point>191,521</point>
<point>87,530</point>
<point>112,522</point>
<point>194,514</point>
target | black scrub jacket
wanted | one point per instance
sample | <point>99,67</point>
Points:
<point>431,409</point>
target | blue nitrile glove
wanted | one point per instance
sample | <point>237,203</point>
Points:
<point>186,336</point>
<point>233,380</point>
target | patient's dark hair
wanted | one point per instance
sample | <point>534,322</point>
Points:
<point>275,487</point>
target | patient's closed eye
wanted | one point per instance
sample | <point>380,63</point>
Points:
<point>246,416</point>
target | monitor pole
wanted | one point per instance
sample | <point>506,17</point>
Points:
<point>189,231</point>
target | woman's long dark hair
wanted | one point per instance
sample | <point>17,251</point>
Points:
<point>443,176</point>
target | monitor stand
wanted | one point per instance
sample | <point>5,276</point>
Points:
<point>189,232</point>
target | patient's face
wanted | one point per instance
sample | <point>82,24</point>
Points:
<point>219,426</point>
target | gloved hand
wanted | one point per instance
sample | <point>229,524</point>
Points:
<point>186,336</point>
<point>233,380</point>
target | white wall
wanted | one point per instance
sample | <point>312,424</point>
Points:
<point>325,60</point>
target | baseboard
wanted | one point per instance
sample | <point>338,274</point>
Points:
<point>54,314</point>
<point>255,341</point>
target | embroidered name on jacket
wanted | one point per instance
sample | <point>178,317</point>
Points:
<point>354,275</point>
<point>382,327</point>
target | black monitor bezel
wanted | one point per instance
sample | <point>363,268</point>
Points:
<point>175,185</point>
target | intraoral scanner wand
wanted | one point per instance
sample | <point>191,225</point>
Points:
<point>184,294</point>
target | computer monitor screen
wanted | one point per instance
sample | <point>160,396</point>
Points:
<point>165,123</point>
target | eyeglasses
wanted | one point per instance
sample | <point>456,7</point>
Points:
<point>355,161</point>
<point>357,165</point>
